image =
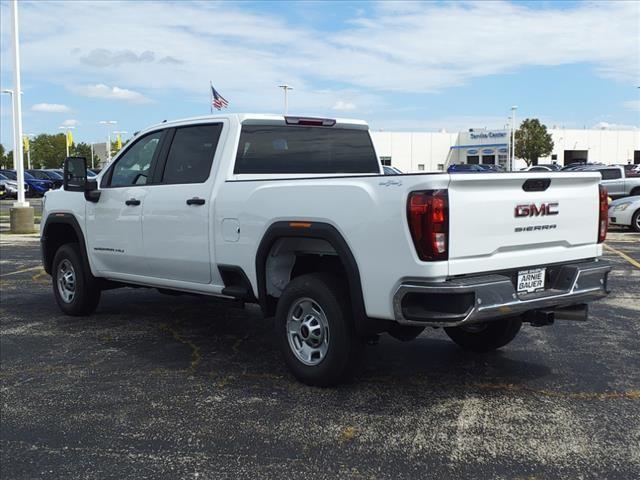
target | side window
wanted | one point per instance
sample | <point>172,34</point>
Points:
<point>134,167</point>
<point>191,154</point>
<point>610,174</point>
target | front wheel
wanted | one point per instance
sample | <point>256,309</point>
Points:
<point>76,291</point>
<point>635,221</point>
<point>484,337</point>
<point>315,330</point>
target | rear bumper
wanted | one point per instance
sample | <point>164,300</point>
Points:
<point>466,300</point>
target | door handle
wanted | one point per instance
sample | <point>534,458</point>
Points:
<point>132,201</point>
<point>195,201</point>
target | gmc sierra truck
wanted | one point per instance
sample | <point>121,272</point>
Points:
<point>295,214</point>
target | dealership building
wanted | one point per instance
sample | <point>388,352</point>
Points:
<point>435,151</point>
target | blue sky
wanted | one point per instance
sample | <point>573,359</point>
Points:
<point>398,65</point>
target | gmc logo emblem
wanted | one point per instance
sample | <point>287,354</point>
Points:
<point>532,210</point>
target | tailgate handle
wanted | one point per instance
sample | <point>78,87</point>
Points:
<point>536,184</point>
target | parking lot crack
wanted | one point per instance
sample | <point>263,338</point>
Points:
<point>196,355</point>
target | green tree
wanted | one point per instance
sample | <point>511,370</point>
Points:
<point>533,141</point>
<point>48,151</point>
<point>7,162</point>
<point>84,150</point>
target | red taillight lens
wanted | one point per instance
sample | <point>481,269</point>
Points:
<point>428,214</point>
<point>603,221</point>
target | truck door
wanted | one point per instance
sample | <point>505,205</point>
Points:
<point>114,223</point>
<point>177,221</point>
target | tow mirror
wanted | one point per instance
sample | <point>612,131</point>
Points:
<point>75,174</point>
<point>75,179</point>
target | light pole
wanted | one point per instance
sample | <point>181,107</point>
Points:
<point>108,124</point>
<point>17,119</point>
<point>286,88</point>
<point>13,108</point>
<point>513,137</point>
<point>66,136</point>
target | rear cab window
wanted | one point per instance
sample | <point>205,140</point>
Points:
<point>286,149</point>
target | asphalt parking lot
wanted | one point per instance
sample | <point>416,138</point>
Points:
<point>153,386</point>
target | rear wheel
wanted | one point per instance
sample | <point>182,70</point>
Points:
<point>76,291</point>
<point>635,221</point>
<point>315,330</point>
<point>484,337</point>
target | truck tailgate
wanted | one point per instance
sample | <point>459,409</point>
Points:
<point>499,222</point>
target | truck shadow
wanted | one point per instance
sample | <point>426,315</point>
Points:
<point>223,344</point>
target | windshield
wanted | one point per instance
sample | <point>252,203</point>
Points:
<point>10,175</point>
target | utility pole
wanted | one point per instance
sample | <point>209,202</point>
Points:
<point>286,88</point>
<point>92,166</point>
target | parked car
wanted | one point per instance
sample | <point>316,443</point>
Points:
<point>3,191</point>
<point>581,165</point>
<point>491,168</point>
<point>283,218</point>
<point>465,168</point>
<point>50,175</point>
<point>617,181</point>
<point>549,167</point>
<point>95,171</point>
<point>390,170</point>
<point>625,212</point>
<point>36,187</point>
<point>10,186</point>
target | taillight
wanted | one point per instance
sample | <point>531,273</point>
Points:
<point>603,221</point>
<point>428,214</point>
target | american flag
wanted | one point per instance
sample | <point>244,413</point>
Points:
<point>218,101</point>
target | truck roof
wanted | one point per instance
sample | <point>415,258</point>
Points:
<point>265,118</point>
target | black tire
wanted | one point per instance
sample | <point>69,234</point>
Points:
<point>343,350</point>
<point>635,223</point>
<point>485,337</point>
<point>86,290</point>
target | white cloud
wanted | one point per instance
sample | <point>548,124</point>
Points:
<point>342,105</point>
<point>101,90</point>
<point>50,108</point>
<point>407,47</point>
<point>71,122</point>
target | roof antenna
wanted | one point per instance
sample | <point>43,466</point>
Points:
<point>164,121</point>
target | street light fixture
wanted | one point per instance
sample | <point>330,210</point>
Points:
<point>108,124</point>
<point>285,88</point>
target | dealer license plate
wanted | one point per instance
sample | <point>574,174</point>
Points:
<point>531,280</point>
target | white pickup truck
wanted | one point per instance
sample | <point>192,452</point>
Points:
<point>294,214</point>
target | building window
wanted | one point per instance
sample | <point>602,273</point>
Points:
<point>441,167</point>
<point>421,166</point>
<point>554,157</point>
<point>385,161</point>
<point>473,159</point>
